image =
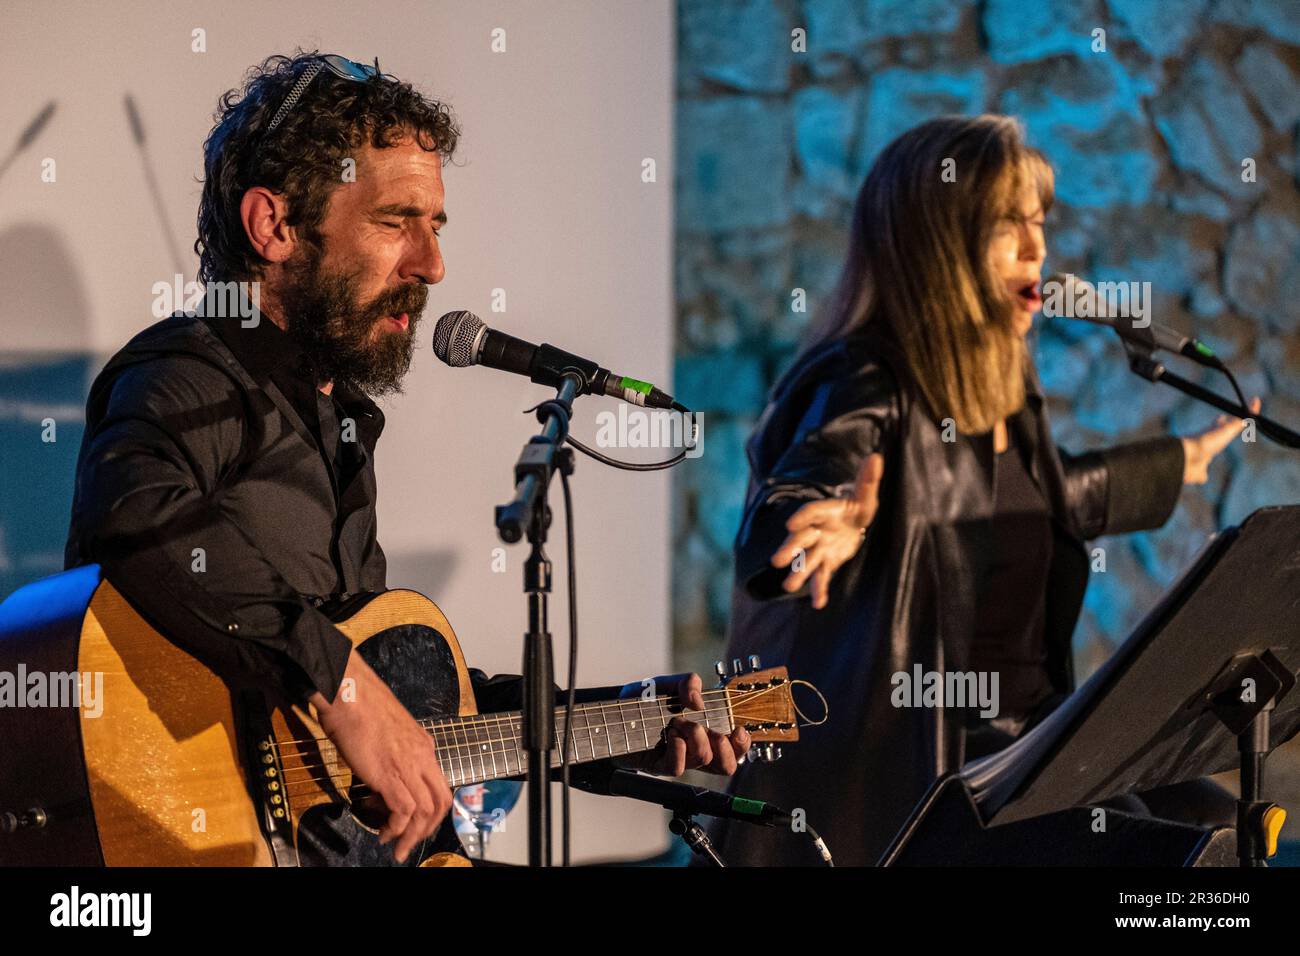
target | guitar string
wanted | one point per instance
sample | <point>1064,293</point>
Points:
<point>358,791</point>
<point>448,736</point>
<point>472,750</point>
<point>296,788</point>
<point>470,757</point>
<point>455,749</point>
<point>462,753</point>
<point>447,733</point>
<point>430,723</point>
<point>480,721</point>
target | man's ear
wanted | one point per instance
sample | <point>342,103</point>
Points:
<point>262,213</point>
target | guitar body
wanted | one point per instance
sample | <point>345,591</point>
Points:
<point>177,771</point>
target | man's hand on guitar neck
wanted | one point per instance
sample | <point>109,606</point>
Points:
<point>687,745</point>
<point>391,752</point>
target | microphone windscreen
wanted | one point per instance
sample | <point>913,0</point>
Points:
<point>456,338</point>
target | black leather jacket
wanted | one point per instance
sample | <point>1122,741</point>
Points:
<point>910,594</point>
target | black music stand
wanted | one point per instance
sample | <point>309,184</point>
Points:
<point>1200,687</point>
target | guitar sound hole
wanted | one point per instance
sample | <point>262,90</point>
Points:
<point>417,664</point>
<point>369,809</point>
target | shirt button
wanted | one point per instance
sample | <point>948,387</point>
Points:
<point>232,627</point>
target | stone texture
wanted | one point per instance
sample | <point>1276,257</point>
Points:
<point>741,44</point>
<point>835,31</point>
<point>818,259</point>
<point>1019,32</point>
<point>1281,360</point>
<point>901,18</point>
<point>1272,83</point>
<point>1110,600</point>
<point>718,488</point>
<point>1266,477</point>
<point>1083,92</point>
<point>720,382</point>
<point>733,163</point>
<point>825,129</point>
<point>1208,126</point>
<point>1195,199</point>
<point>1063,366</point>
<point>1262,272</point>
<point>899,99</point>
<point>1280,18</point>
<point>1087,113</point>
<point>1153,248</point>
<point>1112,166</point>
<point>1162,29</point>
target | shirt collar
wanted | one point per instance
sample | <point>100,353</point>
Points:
<point>262,347</point>
<point>268,352</point>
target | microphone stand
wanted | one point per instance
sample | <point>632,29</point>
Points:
<point>529,513</point>
<point>1141,362</point>
<point>694,836</point>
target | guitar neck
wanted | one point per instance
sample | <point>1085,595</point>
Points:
<point>490,746</point>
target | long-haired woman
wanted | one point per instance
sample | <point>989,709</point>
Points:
<point>907,507</point>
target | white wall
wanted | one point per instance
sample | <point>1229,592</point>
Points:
<point>546,201</point>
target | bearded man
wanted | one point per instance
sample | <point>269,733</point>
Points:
<point>226,479</point>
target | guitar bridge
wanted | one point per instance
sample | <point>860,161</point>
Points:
<point>265,777</point>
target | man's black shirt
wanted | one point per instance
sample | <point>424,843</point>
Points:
<point>346,424</point>
<point>227,497</point>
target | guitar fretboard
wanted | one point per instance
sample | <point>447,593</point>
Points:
<point>490,746</point>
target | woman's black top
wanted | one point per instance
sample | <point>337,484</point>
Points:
<point>1009,632</point>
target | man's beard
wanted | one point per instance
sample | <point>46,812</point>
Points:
<point>338,334</point>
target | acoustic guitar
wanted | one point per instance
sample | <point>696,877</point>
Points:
<point>176,770</point>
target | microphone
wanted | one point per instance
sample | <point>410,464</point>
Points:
<point>460,338</point>
<point>1081,301</point>
<point>679,797</point>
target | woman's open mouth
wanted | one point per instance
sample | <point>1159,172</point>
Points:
<point>1029,295</point>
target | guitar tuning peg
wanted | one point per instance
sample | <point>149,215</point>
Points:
<point>771,753</point>
<point>720,669</point>
<point>736,668</point>
<point>753,662</point>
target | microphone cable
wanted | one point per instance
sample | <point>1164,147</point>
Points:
<point>635,465</point>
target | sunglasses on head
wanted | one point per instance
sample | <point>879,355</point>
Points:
<point>340,66</point>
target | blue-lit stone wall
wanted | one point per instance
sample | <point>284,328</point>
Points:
<point>1148,138</point>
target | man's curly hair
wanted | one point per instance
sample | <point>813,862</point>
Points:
<point>303,157</point>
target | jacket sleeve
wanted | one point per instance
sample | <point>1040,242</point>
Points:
<point>846,420</point>
<point>1132,487</point>
<point>148,499</point>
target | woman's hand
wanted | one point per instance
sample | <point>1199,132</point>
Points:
<point>824,534</point>
<point>1199,450</point>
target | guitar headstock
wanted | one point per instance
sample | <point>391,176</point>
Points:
<point>762,703</point>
